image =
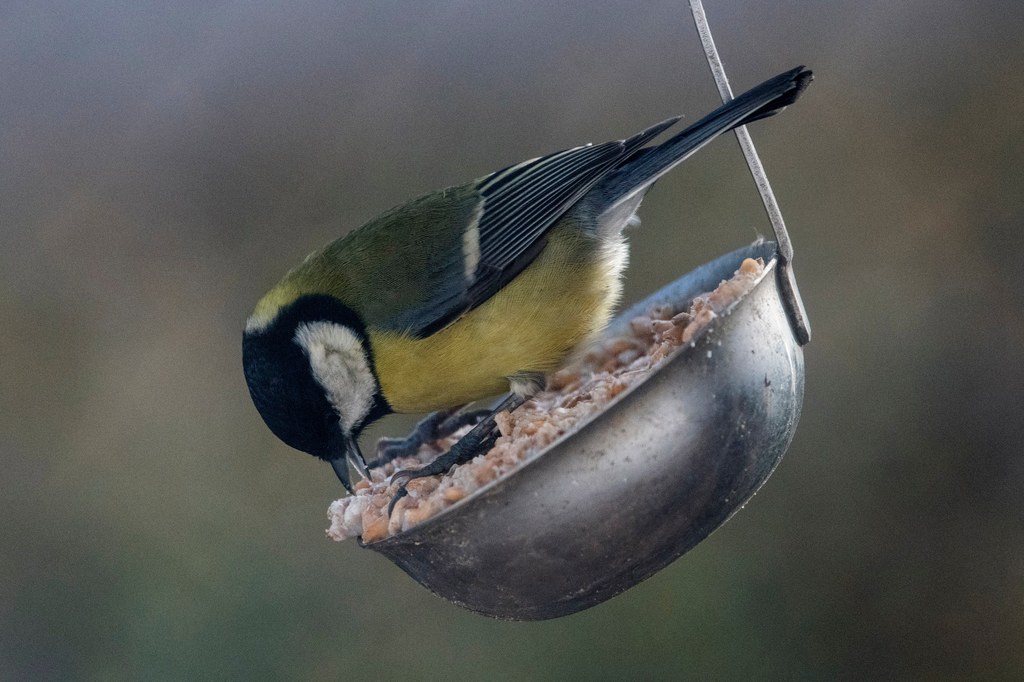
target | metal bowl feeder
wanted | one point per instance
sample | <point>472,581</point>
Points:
<point>630,491</point>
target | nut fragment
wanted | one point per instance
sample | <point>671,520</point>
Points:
<point>574,394</point>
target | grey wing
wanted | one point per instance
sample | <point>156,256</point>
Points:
<point>518,205</point>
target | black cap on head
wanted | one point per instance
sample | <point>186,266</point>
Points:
<point>286,393</point>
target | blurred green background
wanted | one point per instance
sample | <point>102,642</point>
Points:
<point>163,164</point>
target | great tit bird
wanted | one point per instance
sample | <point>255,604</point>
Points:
<point>463,293</point>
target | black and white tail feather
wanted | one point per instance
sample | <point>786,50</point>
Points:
<point>638,173</point>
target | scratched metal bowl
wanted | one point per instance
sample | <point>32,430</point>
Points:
<point>630,491</point>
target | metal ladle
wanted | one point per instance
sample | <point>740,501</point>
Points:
<point>662,466</point>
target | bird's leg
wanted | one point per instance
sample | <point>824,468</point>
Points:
<point>389,449</point>
<point>478,440</point>
<point>460,419</point>
<point>440,424</point>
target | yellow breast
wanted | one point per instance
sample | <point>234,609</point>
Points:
<point>558,302</point>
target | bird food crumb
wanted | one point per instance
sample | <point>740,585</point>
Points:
<point>573,394</point>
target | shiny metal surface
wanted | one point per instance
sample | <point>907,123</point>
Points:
<point>629,492</point>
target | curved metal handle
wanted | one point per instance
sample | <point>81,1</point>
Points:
<point>787,279</point>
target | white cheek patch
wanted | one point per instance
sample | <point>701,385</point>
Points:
<point>338,361</point>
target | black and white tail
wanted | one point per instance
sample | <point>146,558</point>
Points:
<point>639,172</point>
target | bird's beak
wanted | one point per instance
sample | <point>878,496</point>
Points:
<point>351,455</point>
<point>340,466</point>
<point>355,457</point>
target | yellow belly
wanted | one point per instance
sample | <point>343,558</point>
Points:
<point>558,302</point>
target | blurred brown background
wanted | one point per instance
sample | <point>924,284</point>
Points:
<point>163,165</point>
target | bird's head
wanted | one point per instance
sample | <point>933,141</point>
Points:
<point>309,367</point>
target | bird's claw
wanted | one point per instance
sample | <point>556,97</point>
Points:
<point>402,492</point>
<point>459,453</point>
<point>440,424</point>
<point>389,449</point>
<point>477,441</point>
<point>402,479</point>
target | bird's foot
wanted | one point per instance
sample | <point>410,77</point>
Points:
<point>477,441</point>
<point>436,426</point>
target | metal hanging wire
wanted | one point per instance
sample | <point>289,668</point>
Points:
<point>787,279</point>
